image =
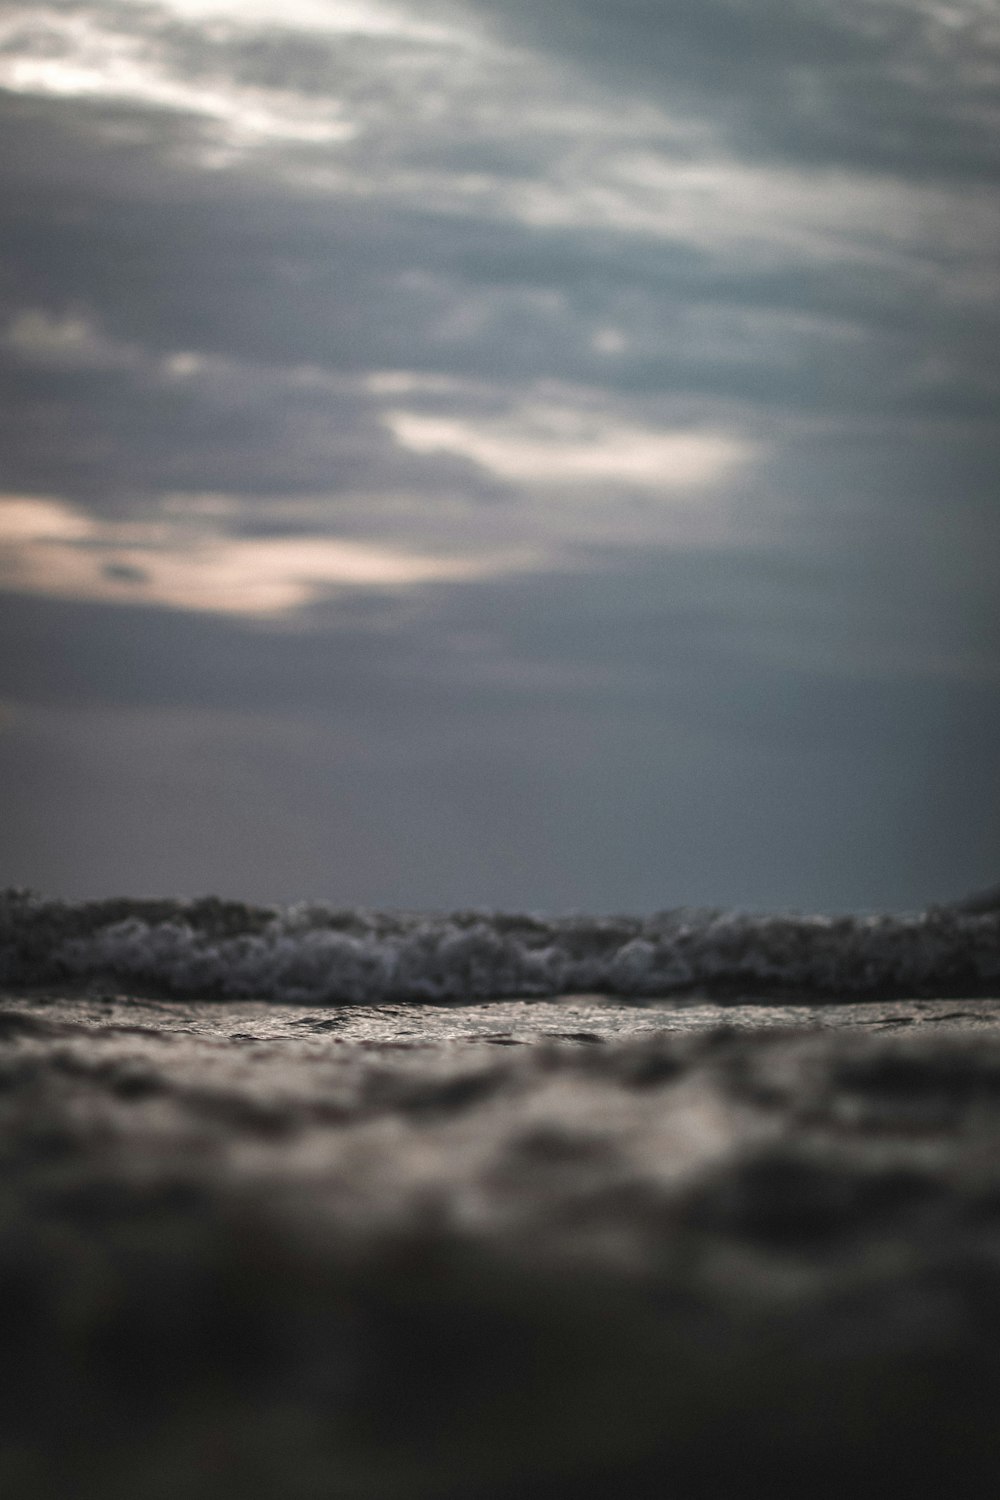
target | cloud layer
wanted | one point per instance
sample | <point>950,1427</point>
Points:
<point>497,369</point>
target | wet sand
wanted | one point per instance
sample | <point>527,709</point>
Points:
<point>545,1249</point>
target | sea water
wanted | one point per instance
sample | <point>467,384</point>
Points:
<point>316,954</point>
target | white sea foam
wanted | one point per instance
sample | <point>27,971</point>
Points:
<point>315,954</point>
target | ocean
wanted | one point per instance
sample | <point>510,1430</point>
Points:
<point>316,954</point>
<point>314,1205</point>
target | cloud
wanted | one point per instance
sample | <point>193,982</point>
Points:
<point>117,57</point>
<point>70,341</point>
<point>562,436</point>
<point>50,548</point>
<point>897,86</point>
<point>621,740</point>
<point>557,445</point>
<point>372,18</point>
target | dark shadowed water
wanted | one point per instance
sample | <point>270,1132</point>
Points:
<point>552,1249</point>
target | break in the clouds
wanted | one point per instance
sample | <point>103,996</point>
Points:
<point>411,390</point>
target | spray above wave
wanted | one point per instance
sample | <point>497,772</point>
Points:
<point>315,954</point>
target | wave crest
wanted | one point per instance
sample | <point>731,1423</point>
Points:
<point>316,954</point>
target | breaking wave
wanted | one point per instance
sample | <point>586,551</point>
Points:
<point>316,954</point>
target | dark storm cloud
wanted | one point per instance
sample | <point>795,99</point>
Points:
<point>895,86</point>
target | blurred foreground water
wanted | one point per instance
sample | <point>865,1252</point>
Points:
<point>548,1249</point>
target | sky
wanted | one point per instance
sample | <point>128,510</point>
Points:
<point>482,453</point>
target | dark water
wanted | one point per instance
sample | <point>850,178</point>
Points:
<point>551,1249</point>
<point>314,954</point>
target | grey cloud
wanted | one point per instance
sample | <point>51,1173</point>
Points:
<point>283,101</point>
<point>254,274</point>
<point>706,772</point>
<point>264,285</point>
<point>719,635</point>
<point>807,717</point>
<point>897,87</point>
